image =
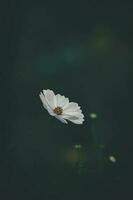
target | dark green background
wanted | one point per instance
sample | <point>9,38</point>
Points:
<point>82,49</point>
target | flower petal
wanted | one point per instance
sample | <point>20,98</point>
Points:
<point>71,107</point>
<point>74,116</point>
<point>78,121</point>
<point>77,112</point>
<point>50,98</point>
<point>61,119</point>
<point>42,97</point>
<point>45,104</point>
<point>77,118</point>
<point>50,111</point>
<point>62,101</point>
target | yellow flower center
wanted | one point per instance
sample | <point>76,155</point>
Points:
<point>58,110</point>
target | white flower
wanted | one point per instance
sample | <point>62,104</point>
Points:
<point>112,159</point>
<point>60,107</point>
<point>93,115</point>
<point>78,146</point>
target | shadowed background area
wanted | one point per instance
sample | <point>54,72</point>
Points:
<point>83,50</point>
